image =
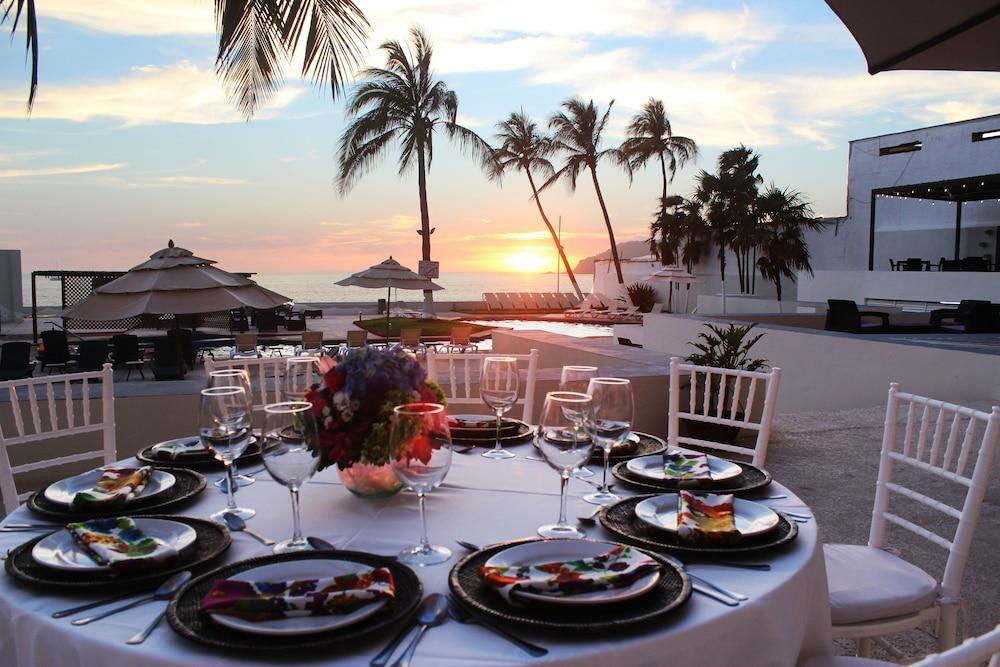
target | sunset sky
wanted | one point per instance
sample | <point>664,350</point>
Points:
<point>132,140</point>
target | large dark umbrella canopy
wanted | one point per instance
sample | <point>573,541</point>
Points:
<point>924,34</point>
<point>173,281</point>
<point>388,274</point>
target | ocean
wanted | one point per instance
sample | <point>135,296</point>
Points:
<point>321,287</point>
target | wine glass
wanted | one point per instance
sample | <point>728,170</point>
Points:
<point>300,375</point>
<point>576,378</point>
<point>289,442</point>
<point>563,440</point>
<point>498,388</point>
<point>225,431</point>
<point>612,411</point>
<point>233,377</point>
<point>421,456</point>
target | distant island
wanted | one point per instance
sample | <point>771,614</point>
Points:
<point>627,250</point>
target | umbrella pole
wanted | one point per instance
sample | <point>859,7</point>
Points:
<point>388,300</point>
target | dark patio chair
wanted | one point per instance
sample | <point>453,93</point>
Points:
<point>979,317</point>
<point>238,321</point>
<point>843,315</point>
<point>92,355</point>
<point>958,314</point>
<point>185,344</point>
<point>913,264</point>
<point>949,265</point>
<point>168,363</point>
<point>54,351</point>
<point>125,352</point>
<point>267,320</point>
<point>15,361</point>
<point>975,264</point>
<point>295,321</point>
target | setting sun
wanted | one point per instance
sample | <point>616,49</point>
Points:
<point>528,261</point>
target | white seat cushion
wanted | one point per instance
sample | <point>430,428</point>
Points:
<point>843,661</point>
<point>867,584</point>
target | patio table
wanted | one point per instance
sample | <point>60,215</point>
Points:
<point>482,501</point>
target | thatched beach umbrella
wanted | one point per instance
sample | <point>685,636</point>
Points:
<point>673,274</point>
<point>173,282</point>
<point>389,274</point>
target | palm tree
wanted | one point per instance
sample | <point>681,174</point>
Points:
<point>577,132</point>
<point>679,233</point>
<point>402,102</point>
<point>255,37</point>
<point>784,215</point>
<point>650,135</point>
<point>523,148</point>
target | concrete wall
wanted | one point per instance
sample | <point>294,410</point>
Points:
<point>10,286</point>
<point>833,371</point>
<point>899,285</point>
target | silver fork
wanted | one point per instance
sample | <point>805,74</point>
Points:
<point>733,595</point>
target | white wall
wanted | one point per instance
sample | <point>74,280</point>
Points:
<point>825,371</point>
<point>901,285</point>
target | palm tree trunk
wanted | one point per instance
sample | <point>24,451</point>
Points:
<point>663,170</point>
<point>555,237</point>
<point>607,221</point>
<point>425,223</point>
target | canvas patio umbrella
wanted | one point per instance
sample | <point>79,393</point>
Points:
<point>673,274</point>
<point>173,282</point>
<point>389,274</point>
<point>924,34</point>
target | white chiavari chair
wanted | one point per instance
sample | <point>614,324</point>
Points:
<point>973,652</point>
<point>266,377</point>
<point>458,375</point>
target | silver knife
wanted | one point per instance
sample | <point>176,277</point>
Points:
<point>708,592</point>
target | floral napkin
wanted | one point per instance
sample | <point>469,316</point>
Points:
<point>116,487</point>
<point>174,448</point>
<point>120,544</point>
<point>618,568</point>
<point>686,466</point>
<point>706,519</point>
<point>265,600</point>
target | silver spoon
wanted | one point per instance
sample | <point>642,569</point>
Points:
<point>238,525</point>
<point>433,610</point>
<point>164,592</point>
<point>319,544</point>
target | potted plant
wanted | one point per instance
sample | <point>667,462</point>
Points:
<point>642,295</point>
<point>723,347</point>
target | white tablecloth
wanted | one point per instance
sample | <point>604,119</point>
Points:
<point>482,501</point>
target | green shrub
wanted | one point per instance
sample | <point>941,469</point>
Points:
<point>642,295</point>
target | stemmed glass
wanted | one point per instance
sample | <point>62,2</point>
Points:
<point>289,442</point>
<point>611,421</point>
<point>300,374</point>
<point>563,440</point>
<point>421,456</point>
<point>498,388</point>
<point>577,378</point>
<point>225,431</point>
<point>233,377</point>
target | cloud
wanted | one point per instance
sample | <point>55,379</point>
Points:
<point>198,180</point>
<point>127,17</point>
<point>189,224</point>
<point>60,171</point>
<point>26,155</point>
<point>179,93</point>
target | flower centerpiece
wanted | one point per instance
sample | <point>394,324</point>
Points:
<point>354,406</point>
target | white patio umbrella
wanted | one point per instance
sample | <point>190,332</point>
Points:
<point>389,274</point>
<point>924,34</point>
<point>673,274</point>
<point>173,282</point>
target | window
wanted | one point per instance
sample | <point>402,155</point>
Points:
<point>901,148</point>
<point>986,135</point>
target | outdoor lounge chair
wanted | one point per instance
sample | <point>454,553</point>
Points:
<point>409,340</point>
<point>528,299</point>
<point>54,350</point>
<point>506,303</point>
<point>552,301</point>
<point>492,302</point>
<point>245,346</point>
<point>356,338</point>
<point>843,315</point>
<point>125,352</point>
<point>957,315</point>
<point>168,362</point>
<point>92,355</point>
<point>518,304</point>
<point>565,303</point>
<point>461,341</point>
<point>312,344</point>
<point>15,360</point>
<point>590,304</point>
<point>981,317</point>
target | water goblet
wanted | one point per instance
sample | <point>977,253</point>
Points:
<point>577,378</point>
<point>289,442</point>
<point>498,388</point>
<point>225,431</point>
<point>421,456</point>
<point>564,442</point>
<point>233,377</point>
<point>300,375</point>
<point>612,410</point>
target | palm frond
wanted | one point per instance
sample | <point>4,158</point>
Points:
<point>357,162</point>
<point>250,50</point>
<point>27,9</point>
<point>337,30</point>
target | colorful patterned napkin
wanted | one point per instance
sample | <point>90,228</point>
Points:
<point>706,519</point>
<point>686,466</point>
<point>120,544</point>
<point>116,487</point>
<point>171,450</point>
<point>265,600</point>
<point>618,568</point>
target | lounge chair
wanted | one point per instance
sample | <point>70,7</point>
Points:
<point>357,338</point>
<point>92,355</point>
<point>588,306</point>
<point>977,317</point>
<point>53,353</point>
<point>573,298</point>
<point>15,361</point>
<point>565,303</point>
<point>168,362</point>
<point>461,341</point>
<point>630,313</point>
<point>246,346</point>
<point>312,343</point>
<point>125,352</point>
<point>409,340</point>
<point>517,302</point>
<point>958,314</point>
<point>843,315</point>
<point>492,301</point>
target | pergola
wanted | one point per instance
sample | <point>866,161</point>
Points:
<point>955,190</point>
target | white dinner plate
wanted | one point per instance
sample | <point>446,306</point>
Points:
<point>190,445</point>
<point>61,552</point>
<point>549,551</point>
<point>751,518</point>
<point>312,568</point>
<point>64,491</point>
<point>651,467</point>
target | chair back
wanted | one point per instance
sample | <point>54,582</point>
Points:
<point>93,355</point>
<point>125,347</point>
<point>266,377</point>
<point>185,344</point>
<point>975,264</point>
<point>563,300</point>
<point>940,439</point>
<point>52,413</point>
<point>842,315</point>
<point>312,340</point>
<point>246,343</point>
<point>505,301</point>
<point>949,264</point>
<point>727,397</point>
<point>460,335</point>
<point>409,337</point>
<point>238,320</point>
<point>971,653</point>
<point>267,320</point>
<point>301,373</point>
<point>16,355</point>
<point>913,264</point>
<point>459,374</point>
<point>56,347</point>
<point>357,338</point>
<point>492,302</point>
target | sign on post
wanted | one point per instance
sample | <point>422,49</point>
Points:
<point>429,269</point>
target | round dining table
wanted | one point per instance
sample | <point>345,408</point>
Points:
<point>482,501</point>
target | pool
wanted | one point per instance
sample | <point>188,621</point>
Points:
<point>565,328</point>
